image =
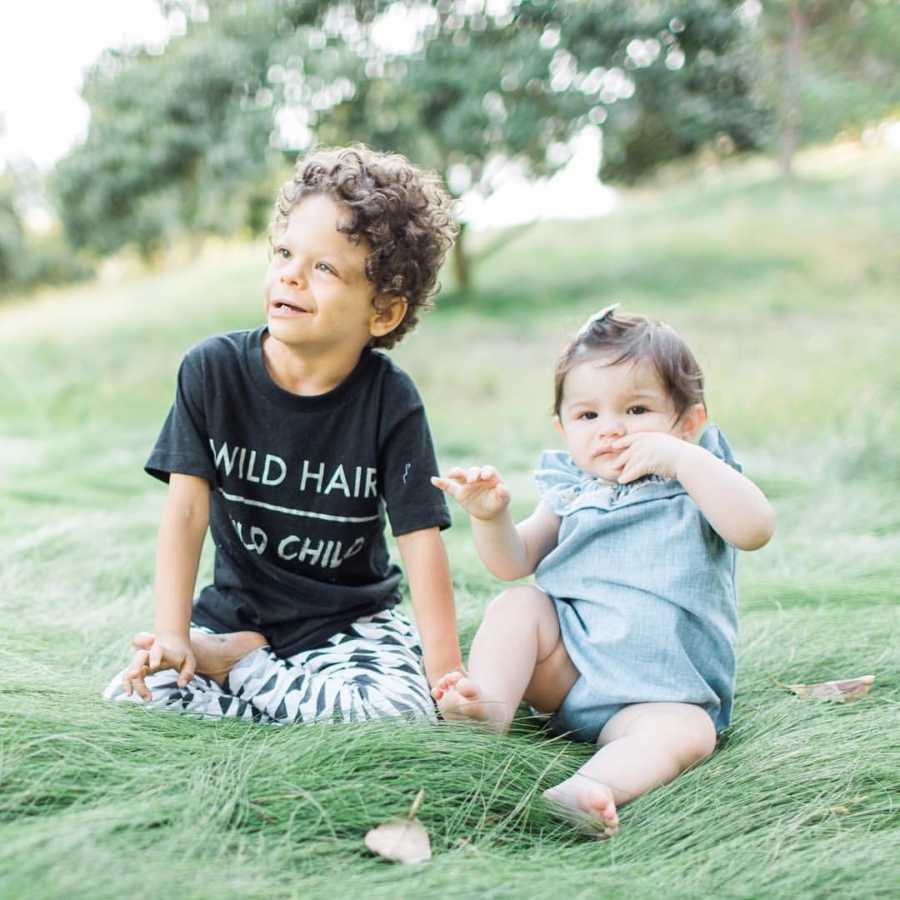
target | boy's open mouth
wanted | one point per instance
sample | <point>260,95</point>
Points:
<point>285,307</point>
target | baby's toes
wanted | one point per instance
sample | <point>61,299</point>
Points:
<point>449,680</point>
<point>467,689</point>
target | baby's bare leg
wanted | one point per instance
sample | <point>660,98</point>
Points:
<point>641,747</point>
<point>517,652</point>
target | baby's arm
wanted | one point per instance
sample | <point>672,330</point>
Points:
<point>183,526</point>
<point>508,551</point>
<point>735,507</point>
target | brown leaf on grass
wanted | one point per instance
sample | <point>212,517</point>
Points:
<point>402,840</point>
<point>842,691</point>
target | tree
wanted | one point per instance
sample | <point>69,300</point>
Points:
<point>666,78</point>
<point>28,259</point>
<point>12,235</point>
<point>456,85</point>
<point>175,140</point>
<point>832,65</point>
<point>518,83</point>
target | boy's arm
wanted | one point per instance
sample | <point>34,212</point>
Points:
<point>431,590</point>
<point>182,529</point>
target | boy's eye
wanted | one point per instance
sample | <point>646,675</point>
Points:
<point>324,267</point>
<point>637,410</point>
<point>283,252</point>
<point>587,414</point>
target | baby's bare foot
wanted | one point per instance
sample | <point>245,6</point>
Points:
<point>460,698</point>
<point>586,803</point>
<point>216,654</point>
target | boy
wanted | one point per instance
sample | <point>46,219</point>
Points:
<point>289,442</point>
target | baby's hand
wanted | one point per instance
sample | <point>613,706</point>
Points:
<point>154,653</point>
<point>479,490</point>
<point>650,453</point>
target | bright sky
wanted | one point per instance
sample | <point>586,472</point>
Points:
<point>45,48</point>
<point>47,45</point>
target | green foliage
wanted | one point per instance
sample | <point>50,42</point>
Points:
<point>28,260</point>
<point>176,142</point>
<point>829,66</point>
<point>12,235</point>
<point>664,79</point>
<point>182,139</point>
<point>518,83</point>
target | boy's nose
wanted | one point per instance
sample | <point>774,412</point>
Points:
<point>294,274</point>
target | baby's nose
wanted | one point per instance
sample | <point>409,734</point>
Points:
<point>610,426</point>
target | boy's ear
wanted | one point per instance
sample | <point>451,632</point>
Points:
<point>692,422</point>
<point>557,424</point>
<point>387,314</point>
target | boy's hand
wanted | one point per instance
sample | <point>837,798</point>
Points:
<point>479,490</point>
<point>167,650</point>
<point>650,453</point>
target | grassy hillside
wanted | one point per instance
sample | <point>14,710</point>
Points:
<point>787,293</point>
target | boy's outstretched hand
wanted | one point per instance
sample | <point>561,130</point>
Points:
<point>479,490</point>
<point>167,651</point>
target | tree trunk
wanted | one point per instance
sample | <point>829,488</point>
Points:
<point>461,269</point>
<point>789,107</point>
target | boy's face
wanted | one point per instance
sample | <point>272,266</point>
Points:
<point>316,291</point>
<point>601,403</point>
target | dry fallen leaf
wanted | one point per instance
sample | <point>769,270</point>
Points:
<point>402,840</point>
<point>842,691</point>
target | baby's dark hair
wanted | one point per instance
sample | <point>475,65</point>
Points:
<point>403,214</point>
<point>625,338</point>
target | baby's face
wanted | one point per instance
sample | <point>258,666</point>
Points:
<point>602,402</point>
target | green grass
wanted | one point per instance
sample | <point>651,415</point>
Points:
<point>787,294</point>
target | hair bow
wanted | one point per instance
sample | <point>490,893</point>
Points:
<point>598,317</point>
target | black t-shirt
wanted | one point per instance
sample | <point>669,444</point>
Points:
<point>299,488</point>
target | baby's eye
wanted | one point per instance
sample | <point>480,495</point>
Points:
<point>282,253</point>
<point>637,410</point>
<point>324,267</point>
<point>587,414</point>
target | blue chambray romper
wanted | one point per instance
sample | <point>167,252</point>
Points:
<point>644,590</point>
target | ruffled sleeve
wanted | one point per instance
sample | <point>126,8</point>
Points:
<point>713,440</point>
<point>558,479</point>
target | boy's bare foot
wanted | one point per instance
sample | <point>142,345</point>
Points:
<point>586,803</point>
<point>216,654</point>
<point>460,698</point>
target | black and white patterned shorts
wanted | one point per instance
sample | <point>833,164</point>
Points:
<point>373,670</point>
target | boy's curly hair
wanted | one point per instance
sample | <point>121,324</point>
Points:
<point>401,212</point>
